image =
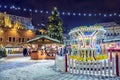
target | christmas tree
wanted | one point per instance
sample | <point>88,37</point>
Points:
<point>55,25</point>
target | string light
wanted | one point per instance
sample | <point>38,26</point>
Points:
<point>68,13</point>
<point>61,13</point>
<point>15,8</point>
<point>38,24</point>
<point>30,10</point>
<point>11,7</point>
<point>24,9</point>
<point>95,14</point>
<point>90,14</point>
<point>41,11</point>
<point>74,14</point>
<point>47,12</point>
<point>105,15</point>
<point>84,14</point>
<point>99,14</point>
<point>115,14</point>
<point>110,15</point>
<point>79,14</point>
<point>5,6</point>
<point>18,8</point>
<point>36,11</point>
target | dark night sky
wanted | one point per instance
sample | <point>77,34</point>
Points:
<point>82,6</point>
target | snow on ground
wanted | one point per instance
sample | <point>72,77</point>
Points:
<point>25,69</point>
<point>22,68</point>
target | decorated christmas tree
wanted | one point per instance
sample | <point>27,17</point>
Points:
<point>55,25</point>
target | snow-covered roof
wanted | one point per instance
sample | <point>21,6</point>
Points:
<point>39,39</point>
<point>108,24</point>
<point>112,40</point>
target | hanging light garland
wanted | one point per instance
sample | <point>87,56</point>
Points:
<point>12,7</point>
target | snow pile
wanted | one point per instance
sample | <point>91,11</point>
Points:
<point>60,63</point>
<point>41,70</point>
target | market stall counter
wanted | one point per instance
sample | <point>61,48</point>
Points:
<point>37,55</point>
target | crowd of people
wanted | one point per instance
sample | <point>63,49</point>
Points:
<point>62,50</point>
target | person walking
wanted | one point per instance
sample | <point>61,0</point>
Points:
<point>25,52</point>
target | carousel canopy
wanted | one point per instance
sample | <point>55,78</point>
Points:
<point>43,40</point>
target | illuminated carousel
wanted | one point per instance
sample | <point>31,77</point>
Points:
<point>86,38</point>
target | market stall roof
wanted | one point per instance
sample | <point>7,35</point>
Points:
<point>43,40</point>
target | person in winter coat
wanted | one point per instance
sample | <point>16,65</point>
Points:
<point>25,52</point>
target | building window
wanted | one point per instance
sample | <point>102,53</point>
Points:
<point>19,39</point>
<point>13,39</point>
<point>117,33</point>
<point>10,39</point>
<point>0,39</point>
<point>23,39</point>
<point>28,39</point>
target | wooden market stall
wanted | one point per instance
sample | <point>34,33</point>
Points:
<point>44,53</point>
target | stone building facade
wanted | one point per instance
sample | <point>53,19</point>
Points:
<point>15,31</point>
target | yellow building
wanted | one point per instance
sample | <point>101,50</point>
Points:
<point>15,31</point>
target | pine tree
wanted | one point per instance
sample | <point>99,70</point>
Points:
<point>55,25</point>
